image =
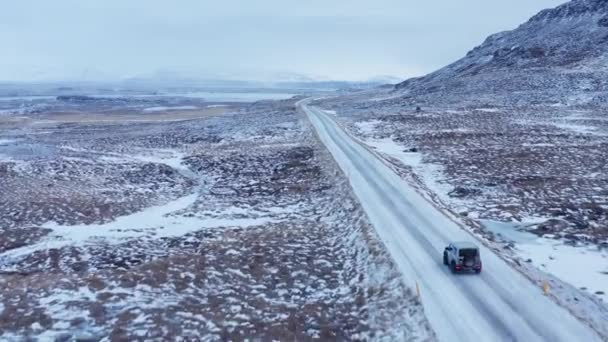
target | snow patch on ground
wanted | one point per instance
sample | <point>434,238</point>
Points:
<point>170,158</point>
<point>391,148</point>
<point>164,109</point>
<point>7,158</point>
<point>6,141</point>
<point>154,223</point>
<point>488,110</point>
<point>538,145</point>
<point>431,174</point>
<point>582,129</point>
<point>509,231</point>
<point>584,267</point>
<point>367,127</point>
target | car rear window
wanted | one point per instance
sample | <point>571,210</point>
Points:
<point>468,253</point>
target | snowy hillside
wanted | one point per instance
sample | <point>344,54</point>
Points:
<point>559,56</point>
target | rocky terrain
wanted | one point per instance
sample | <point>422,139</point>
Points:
<point>225,227</point>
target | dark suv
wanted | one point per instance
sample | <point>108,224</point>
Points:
<point>462,257</point>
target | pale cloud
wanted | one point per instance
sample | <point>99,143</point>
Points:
<point>356,39</point>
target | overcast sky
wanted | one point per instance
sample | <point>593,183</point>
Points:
<point>337,39</point>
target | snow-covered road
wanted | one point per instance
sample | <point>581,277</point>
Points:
<point>498,305</point>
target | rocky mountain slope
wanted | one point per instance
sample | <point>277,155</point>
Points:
<point>559,56</point>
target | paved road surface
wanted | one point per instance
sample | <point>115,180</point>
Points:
<point>497,305</point>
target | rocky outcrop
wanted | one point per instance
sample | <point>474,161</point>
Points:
<point>572,9</point>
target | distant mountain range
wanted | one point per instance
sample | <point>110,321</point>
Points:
<point>559,56</point>
<point>271,81</point>
<point>171,82</point>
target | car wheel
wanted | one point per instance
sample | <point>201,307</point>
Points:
<point>445,258</point>
<point>453,267</point>
<point>477,271</point>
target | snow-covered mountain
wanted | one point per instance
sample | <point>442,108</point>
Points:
<point>559,56</point>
